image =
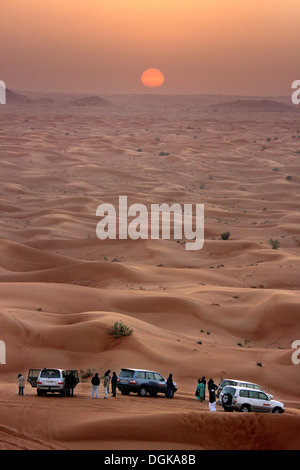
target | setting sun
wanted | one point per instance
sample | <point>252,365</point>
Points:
<point>152,78</point>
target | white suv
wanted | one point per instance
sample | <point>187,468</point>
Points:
<point>239,383</point>
<point>247,399</point>
<point>54,380</point>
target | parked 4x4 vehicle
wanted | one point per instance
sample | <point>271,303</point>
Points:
<point>247,399</point>
<point>239,383</point>
<point>142,382</point>
<point>51,380</point>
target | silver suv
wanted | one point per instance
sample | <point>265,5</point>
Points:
<point>247,399</point>
<point>142,382</point>
<point>52,380</point>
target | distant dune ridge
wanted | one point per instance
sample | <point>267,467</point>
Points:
<point>91,101</point>
<point>229,310</point>
<point>268,106</point>
<point>13,97</point>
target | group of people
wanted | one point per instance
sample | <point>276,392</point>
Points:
<point>106,381</point>
<point>211,387</point>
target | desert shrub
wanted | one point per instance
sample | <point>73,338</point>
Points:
<point>163,154</point>
<point>275,244</point>
<point>225,235</point>
<point>84,374</point>
<point>119,329</point>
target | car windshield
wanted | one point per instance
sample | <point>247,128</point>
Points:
<point>126,373</point>
<point>50,374</point>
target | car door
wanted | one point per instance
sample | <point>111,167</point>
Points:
<point>264,404</point>
<point>252,399</point>
<point>150,382</point>
<point>160,383</point>
<point>33,376</point>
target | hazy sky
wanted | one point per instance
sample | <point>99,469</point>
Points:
<point>103,46</point>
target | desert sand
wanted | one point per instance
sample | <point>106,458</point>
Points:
<point>229,310</point>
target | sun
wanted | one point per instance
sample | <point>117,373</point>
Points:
<point>152,78</point>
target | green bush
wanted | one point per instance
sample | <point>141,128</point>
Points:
<point>225,235</point>
<point>275,244</point>
<point>119,329</point>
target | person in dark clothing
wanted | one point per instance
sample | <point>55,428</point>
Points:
<point>212,387</point>
<point>70,383</point>
<point>203,380</point>
<point>170,387</point>
<point>114,384</point>
<point>95,383</point>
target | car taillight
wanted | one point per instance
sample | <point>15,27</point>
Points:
<point>132,382</point>
<point>60,383</point>
<point>39,383</point>
<point>118,380</point>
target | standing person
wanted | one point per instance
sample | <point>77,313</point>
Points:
<point>95,383</point>
<point>70,383</point>
<point>114,384</point>
<point>170,386</point>
<point>107,373</point>
<point>212,387</point>
<point>106,384</point>
<point>200,390</point>
<point>204,383</point>
<point>21,383</point>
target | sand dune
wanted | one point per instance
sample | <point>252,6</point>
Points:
<point>228,310</point>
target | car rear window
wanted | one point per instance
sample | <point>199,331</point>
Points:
<point>126,373</point>
<point>50,374</point>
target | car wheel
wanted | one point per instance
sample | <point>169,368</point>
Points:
<point>169,394</point>
<point>277,410</point>
<point>227,399</point>
<point>245,408</point>
<point>39,393</point>
<point>142,391</point>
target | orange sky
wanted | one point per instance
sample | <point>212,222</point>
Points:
<point>103,46</point>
